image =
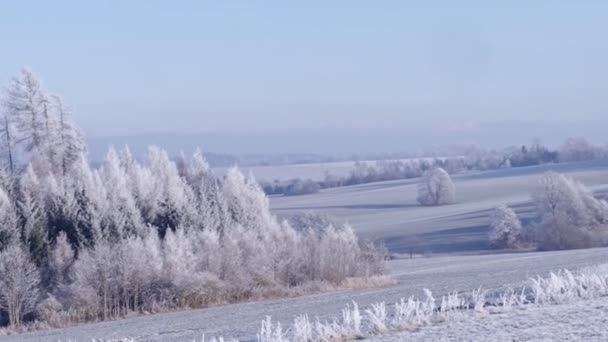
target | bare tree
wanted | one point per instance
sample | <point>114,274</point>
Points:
<point>436,188</point>
<point>8,143</point>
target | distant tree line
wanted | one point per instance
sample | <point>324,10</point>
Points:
<point>572,150</point>
<point>79,243</point>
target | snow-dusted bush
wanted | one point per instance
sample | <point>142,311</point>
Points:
<point>302,329</point>
<point>505,228</point>
<point>270,332</point>
<point>451,302</point>
<point>436,188</point>
<point>349,328</point>
<point>570,216</point>
<point>377,318</point>
<point>565,286</point>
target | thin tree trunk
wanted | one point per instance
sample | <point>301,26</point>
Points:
<point>9,145</point>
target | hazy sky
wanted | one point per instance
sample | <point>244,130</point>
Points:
<point>226,66</point>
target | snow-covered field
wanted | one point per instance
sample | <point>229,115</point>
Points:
<point>583,320</point>
<point>439,274</point>
<point>389,211</point>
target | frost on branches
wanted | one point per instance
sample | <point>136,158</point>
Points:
<point>505,228</point>
<point>78,243</point>
<point>570,216</point>
<point>436,188</point>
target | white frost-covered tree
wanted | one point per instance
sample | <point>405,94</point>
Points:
<point>570,216</point>
<point>19,280</point>
<point>7,141</point>
<point>436,188</point>
<point>505,228</point>
<point>69,139</point>
<point>247,203</point>
<point>27,105</point>
<point>9,228</point>
<point>577,149</point>
<point>212,209</point>
<point>122,216</point>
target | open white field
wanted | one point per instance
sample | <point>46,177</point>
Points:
<point>583,320</point>
<point>439,274</point>
<point>388,210</point>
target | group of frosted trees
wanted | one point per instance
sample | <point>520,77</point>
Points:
<point>568,216</point>
<point>78,243</point>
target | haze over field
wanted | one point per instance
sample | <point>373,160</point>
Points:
<point>312,77</point>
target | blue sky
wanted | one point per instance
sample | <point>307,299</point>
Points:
<point>230,66</point>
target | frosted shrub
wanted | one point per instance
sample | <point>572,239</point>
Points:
<point>451,303</point>
<point>302,329</point>
<point>478,300</point>
<point>565,286</point>
<point>428,305</point>
<point>413,313</point>
<point>405,313</point>
<point>377,318</point>
<point>349,328</point>
<point>270,333</point>
<point>351,320</point>
<point>507,299</point>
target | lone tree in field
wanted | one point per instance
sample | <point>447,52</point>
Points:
<point>505,228</point>
<point>436,188</point>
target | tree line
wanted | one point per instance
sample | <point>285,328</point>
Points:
<point>79,243</point>
<point>572,150</point>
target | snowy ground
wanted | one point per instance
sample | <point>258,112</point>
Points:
<point>388,210</point>
<point>439,274</point>
<point>583,320</point>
